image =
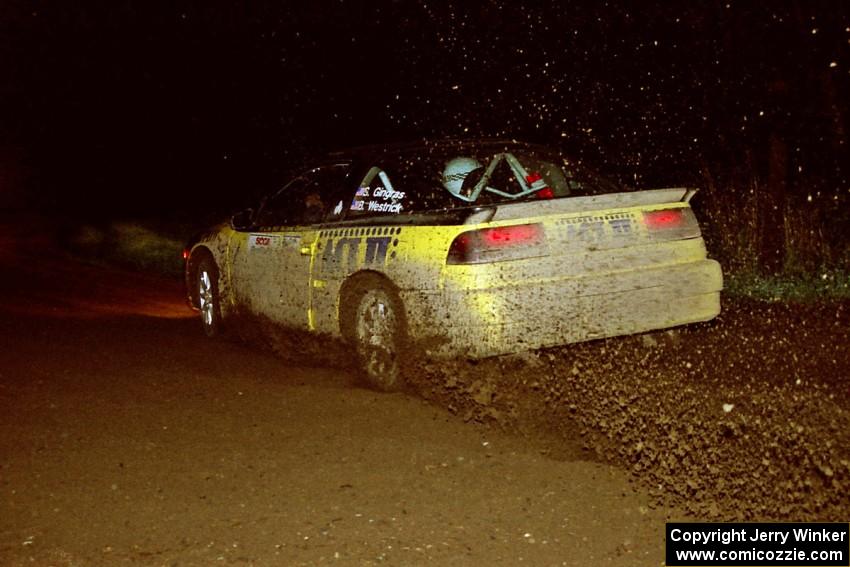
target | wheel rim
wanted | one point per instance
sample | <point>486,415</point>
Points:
<point>206,298</point>
<point>376,338</point>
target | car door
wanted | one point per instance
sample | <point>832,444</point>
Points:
<point>271,263</point>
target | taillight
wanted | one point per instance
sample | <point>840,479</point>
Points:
<point>667,218</point>
<point>498,243</point>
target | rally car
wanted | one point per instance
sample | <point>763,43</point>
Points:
<point>456,248</point>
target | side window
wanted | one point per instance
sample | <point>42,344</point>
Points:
<point>277,209</point>
<point>376,194</point>
<point>308,199</point>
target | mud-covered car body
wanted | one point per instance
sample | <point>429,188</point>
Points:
<point>532,252</point>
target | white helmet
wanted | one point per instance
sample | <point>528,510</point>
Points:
<point>455,174</point>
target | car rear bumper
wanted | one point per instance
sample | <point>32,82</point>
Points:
<point>511,319</point>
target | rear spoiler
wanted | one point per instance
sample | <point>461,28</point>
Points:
<point>568,205</point>
<point>689,194</point>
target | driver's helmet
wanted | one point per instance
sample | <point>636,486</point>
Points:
<point>456,172</point>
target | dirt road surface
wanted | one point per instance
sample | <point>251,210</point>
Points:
<point>128,438</point>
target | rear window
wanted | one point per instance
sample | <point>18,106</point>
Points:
<point>440,180</point>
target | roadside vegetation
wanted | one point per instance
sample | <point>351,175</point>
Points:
<point>795,250</point>
<point>153,246</point>
<point>831,284</point>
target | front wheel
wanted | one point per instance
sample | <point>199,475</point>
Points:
<point>208,297</point>
<point>379,336</point>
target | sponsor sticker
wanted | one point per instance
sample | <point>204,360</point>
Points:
<point>342,255</point>
<point>267,241</point>
<point>263,241</point>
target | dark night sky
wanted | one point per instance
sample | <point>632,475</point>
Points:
<point>140,106</point>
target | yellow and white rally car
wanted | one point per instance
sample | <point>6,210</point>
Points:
<point>461,248</point>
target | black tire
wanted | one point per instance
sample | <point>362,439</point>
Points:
<point>209,299</point>
<point>379,333</point>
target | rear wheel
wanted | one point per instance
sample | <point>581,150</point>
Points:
<point>208,297</point>
<point>379,335</point>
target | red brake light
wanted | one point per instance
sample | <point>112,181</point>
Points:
<point>668,218</point>
<point>494,244</point>
<point>511,235</point>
